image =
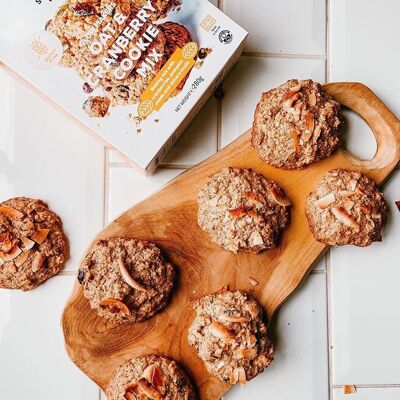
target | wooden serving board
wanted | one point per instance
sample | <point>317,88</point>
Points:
<point>168,218</point>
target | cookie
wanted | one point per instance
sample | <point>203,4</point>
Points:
<point>176,36</point>
<point>346,208</point>
<point>126,280</point>
<point>242,211</point>
<point>231,337</point>
<point>295,125</point>
<point>150,377</point>
<point>32,244</point>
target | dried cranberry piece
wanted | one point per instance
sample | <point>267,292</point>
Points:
<point>85,9</point>
<point>121,57</point>
<point>87,88</point>
<point>202,54</point>
<point>81,276</point>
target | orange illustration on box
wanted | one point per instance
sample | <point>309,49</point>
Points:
<point>168,79</point>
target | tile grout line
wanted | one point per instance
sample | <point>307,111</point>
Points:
<point>328,42</point>
<point>371,386</point>
<point>284,55</point>
<point>328,258</point>
<point>106,185</point>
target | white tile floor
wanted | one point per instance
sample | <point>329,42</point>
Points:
<point>341,327</point>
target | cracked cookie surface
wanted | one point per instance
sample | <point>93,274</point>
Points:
<point>231,337</point>
<point>296,124</point>
<point>242,210</point>
<point>126,280</point>
<point>33,247</point>
<point>152,377</point>
<point>346,208</point>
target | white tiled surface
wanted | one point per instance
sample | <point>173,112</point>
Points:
<point>299,369</point>
<point>341,327</point>
<point>33,361</point>
<point>283,27</point>
<point>44,155</point>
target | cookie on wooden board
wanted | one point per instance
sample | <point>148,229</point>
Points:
<point>126,280</point>
<point>231,337</point>
<point>33,247</point>
<point>150,377</point>
<point>242,210</point>
<point>296,124</point>
<point>346,208</point>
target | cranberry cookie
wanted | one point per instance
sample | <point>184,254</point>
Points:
<point>231,337</point>
<point>241,210</point>
<point>32,244</point>
<point>346,208</point>
<point>150,377</point>
<point>296,124</point>
<point>126,280</point>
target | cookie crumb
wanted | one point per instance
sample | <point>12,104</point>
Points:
<point>349,389</point>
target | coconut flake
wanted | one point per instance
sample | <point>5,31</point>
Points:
<point>21,259</point>
<point>345,218</point>
<point>40,235</point>
<point>279,197</point>
<point>11,212</point>
<point>129,280</point>
<point>219,331</point>
<point>325,201</point>
<point>28,243</point>
<point>115,305</point>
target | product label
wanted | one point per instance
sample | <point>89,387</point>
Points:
<point>168,79</point>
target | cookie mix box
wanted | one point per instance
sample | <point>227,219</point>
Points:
<point>136,72</point>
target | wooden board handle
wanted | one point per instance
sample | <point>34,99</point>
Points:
<point>383,123</point>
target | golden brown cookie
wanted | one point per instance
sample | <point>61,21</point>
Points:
<point>32,244</point>
<point>242,210</point>
<point>346,208</point>
<point>296,124</point>
<point>126,280</point>
<point>150,377</point>
<point>231,337</point>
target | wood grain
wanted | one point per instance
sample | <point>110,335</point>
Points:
<point>168,218</point>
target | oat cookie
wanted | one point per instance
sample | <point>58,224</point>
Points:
<point>126,280</point>
<point>296,124</point>
<point>32,244</point>
<point>241,210</point>
<point>150,377</point>
<point>176,36</point>
<point>231,337</point>
<point>346,208</point>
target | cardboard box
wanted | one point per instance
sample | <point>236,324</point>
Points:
<point>134,72</point>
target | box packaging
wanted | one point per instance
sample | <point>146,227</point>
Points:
<point>135,72</point>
